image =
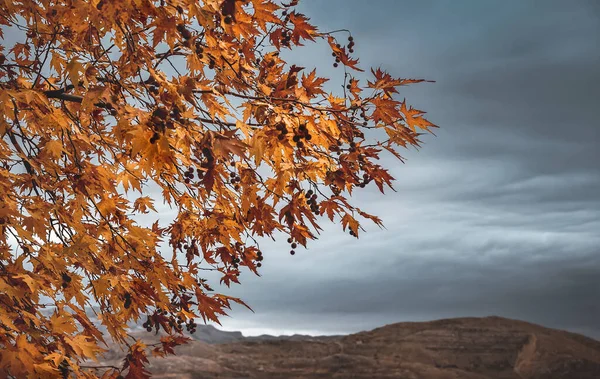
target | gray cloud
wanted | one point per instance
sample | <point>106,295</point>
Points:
<point>498,214</point>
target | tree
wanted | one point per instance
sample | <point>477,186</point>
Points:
<point>111,106</point>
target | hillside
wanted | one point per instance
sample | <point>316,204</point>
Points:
<point>470,348</point>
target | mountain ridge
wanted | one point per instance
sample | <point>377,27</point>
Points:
<point>471,348</point>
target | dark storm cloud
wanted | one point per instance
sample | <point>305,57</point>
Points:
<point>498,214</point>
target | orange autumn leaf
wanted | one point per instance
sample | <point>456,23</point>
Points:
<point>142,204</point>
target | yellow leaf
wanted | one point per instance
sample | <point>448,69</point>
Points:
<point>74,68</point>
<point>143,203</point>
<point>62,324</point>
<point>45,370</point>
<point>85,346</point>
<point>54,149</point>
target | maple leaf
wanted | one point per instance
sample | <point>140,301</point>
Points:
<point>386,110</point>
<point>414,119</point>
<point>142,204</point>
<point>136,361</point>
<point>85,346</point>
<point>302,29</point>
<point>312,84</point>
<point>62,324</point>
<point>54,149</point>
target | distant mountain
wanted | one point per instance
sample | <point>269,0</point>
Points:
<point>212,335</point>
<point>469,348</point>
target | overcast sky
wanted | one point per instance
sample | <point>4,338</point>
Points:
<point>497,215</point>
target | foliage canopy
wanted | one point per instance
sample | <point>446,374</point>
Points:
<point>110,106</point>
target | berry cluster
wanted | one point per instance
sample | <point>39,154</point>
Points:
<point>235,261</point>
<point>259,258</point>
<point>228,11</point>
<point>337,148</point>
<point>280,126</point>
<point>352,148</point>
<point>160,120</point>
<point>175,322</point>
<point>148,324</point>
<point>196,46</point>
<point>239,248</point>
<point>66,279</point>
<point>350,47</point>
<point>208,161</point>
<point>152,85</point>
<point>363,115</point>
<point>366,180</point>
<point>235,179</point>
<point>199,49</point>
<point>285,38</point>
<point>189,174</point>
<point>293,245</point>
<point>191,326</point>
<point>337,58</point>
<point>302,133</point>
<point>311,199</point>
<point>185,33</point>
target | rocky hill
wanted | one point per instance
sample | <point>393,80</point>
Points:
<point>470,348</point>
